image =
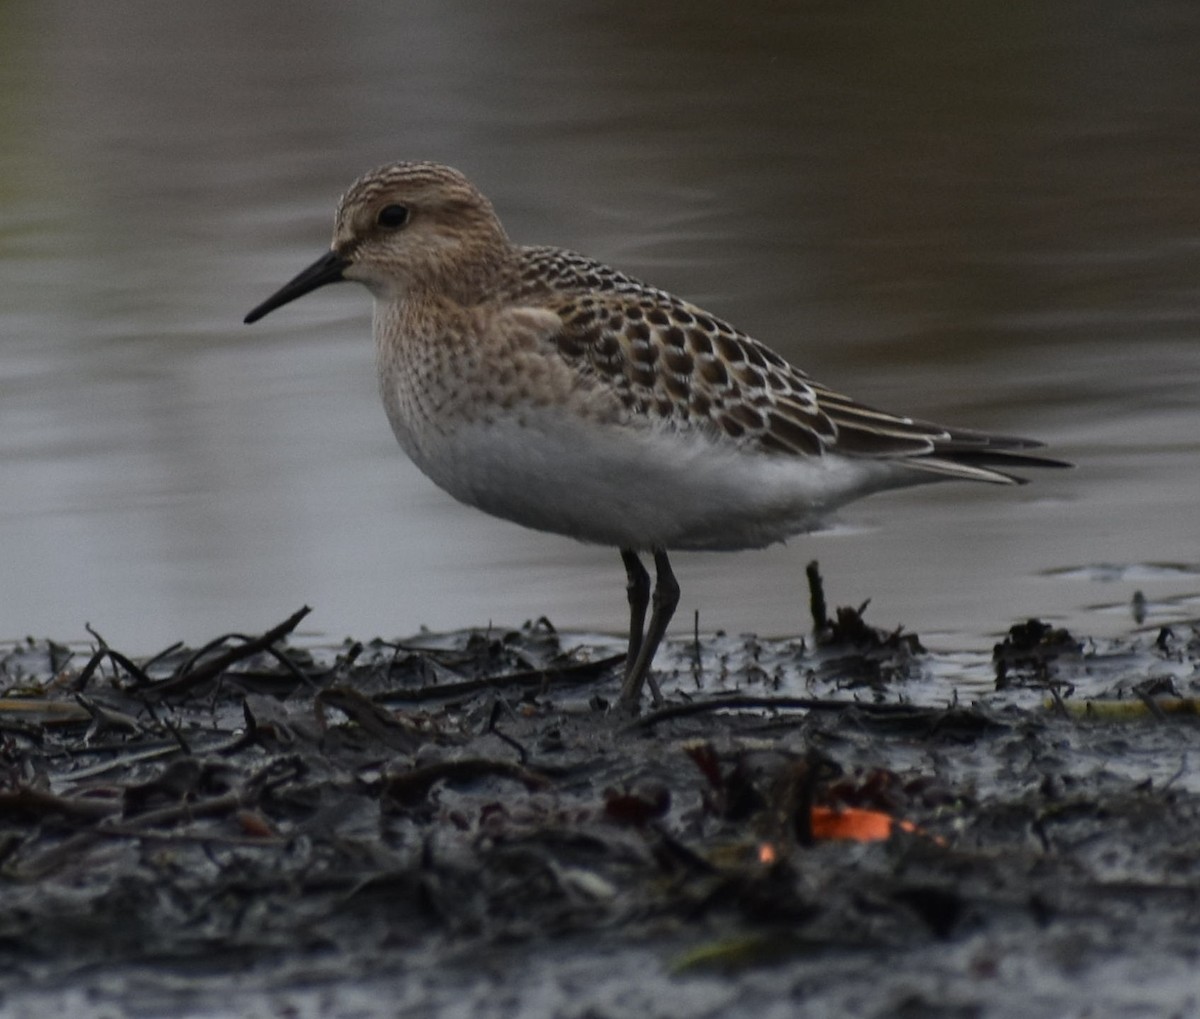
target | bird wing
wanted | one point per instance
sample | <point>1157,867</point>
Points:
<point>669,360</point>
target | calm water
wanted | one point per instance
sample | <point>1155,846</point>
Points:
<point>986,216</point>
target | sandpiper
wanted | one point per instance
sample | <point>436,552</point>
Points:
<point>556,392</point>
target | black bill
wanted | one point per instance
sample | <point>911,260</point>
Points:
<point>326,269</point>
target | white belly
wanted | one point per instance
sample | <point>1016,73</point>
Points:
<point>638,488</point>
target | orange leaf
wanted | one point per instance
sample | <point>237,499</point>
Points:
<point>855,824</point>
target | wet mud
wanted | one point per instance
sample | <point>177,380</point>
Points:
<point>845,823</point>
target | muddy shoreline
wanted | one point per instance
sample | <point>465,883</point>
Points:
<point>460,823</point>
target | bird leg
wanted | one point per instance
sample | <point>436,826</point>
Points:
<point>666,597</point>
<point>637,587</point>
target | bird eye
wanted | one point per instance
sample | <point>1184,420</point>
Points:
<point>392,216</point>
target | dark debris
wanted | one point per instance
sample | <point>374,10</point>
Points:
<point>270,800</point>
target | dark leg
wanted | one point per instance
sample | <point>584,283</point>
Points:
<point>637,587</point>
<point>666,597</point>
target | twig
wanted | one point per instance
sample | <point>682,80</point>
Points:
<point>284,659</point>
<point>500,705</point>
<point>154,660</point>
<point>167,748</point>
<point>186,837</point>
<point>35,801</point>
<point>371,718</point>
<point>213,668</point>
<point>740,701</point>
<point>816,598</point>
<point>115,657</point>
<point>185,811</point>
<point>533,679</point>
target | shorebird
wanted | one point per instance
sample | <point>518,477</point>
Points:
<point>549,389</point>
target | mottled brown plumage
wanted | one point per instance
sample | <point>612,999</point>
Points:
<point>552,390</point>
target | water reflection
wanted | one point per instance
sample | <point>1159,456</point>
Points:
<point>988,221</point>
